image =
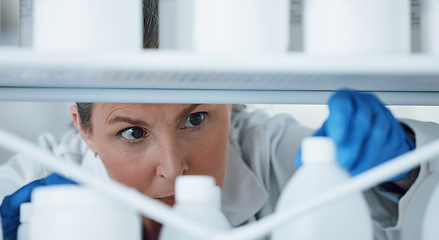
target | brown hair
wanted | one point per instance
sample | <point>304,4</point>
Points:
<point>150,12</point>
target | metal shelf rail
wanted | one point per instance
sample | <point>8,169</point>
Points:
<point>160,76</point>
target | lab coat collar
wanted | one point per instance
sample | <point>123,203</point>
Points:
<point>242,193</point>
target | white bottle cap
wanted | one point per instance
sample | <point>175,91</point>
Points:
<point>318,150</point>
<point>195,188</point>
<point>25,212</point>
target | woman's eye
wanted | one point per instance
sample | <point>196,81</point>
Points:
<point>133,133</point>
<point>194,119</point>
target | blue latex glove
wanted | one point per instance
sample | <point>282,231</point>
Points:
<point>10,208</point>
<point>364,130</point>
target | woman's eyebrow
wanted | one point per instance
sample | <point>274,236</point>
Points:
<point>127,120</point>
<point>185,112</point>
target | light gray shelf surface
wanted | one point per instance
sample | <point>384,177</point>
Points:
<point>170,76</point>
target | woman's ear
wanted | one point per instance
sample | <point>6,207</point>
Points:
<point>85,133</point>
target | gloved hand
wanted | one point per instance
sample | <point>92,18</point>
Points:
<point>364,130</point>
<point>10,208</point>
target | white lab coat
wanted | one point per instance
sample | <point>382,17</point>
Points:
<point>260,163</point>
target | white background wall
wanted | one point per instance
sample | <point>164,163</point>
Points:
<point>29,119</point>
<point>314,115</point>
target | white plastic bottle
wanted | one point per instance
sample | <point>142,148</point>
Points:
<point>429,27</point>
<point>347,218</point>
<point>360,27</point>
<point>241,26</point>
<point>23,228</point>
<point>167,24</point>
<point>72,212</point>
<point>87,26</point>
<point>198,198</point>
<point>421,214</point>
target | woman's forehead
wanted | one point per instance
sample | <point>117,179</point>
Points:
<point>145,108</point>
<point>111,112</point>
<point>152,109</point>
<point>109,107</point>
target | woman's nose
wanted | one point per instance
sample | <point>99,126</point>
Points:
<point>172,160</point>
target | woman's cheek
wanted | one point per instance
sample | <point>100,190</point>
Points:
<point>125,164</point>
<point>209,156</point>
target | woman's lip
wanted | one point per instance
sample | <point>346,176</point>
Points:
<point>170,201</point>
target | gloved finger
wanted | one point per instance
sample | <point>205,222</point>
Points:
<point>375,146</point>
<point>394,139</point>
<point>402,141</point>
<point>386,136</point>
<point>341,125</point>
<point>354,123</point>
<point>367,136</point>
<point>346,127</point>
<point>341,110</point>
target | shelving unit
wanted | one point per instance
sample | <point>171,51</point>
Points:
<point>184,77</point>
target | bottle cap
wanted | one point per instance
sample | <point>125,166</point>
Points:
<point>318,150</point>
<point>195,188</point>
<point>25,212</point>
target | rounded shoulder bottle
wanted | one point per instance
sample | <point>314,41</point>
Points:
<point>197,198</point>
<point>347,218</point>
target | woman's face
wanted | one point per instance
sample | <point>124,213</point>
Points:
<point>146,146</point>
